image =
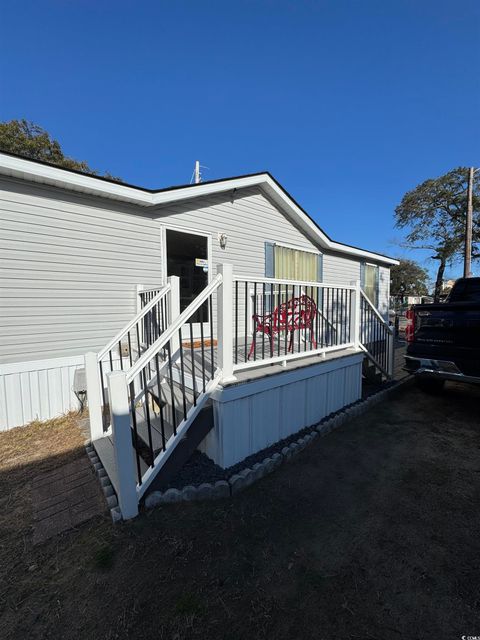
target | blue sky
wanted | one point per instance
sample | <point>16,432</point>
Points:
<point>348,103</point>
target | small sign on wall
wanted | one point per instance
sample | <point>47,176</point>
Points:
<point>201,262</point>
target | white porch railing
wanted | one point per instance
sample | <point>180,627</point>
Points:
<point>279,320</point>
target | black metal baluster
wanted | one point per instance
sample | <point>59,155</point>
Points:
<point>336,317</point>
<point>135,430</point>
<point>270,311</point>
<point>328,323</point>
<point>263,314</point>
<point>246,318</point>
<point>182,370</point>
<point>138,339</point>
<point>172,391</point>
<point>202,343</point>
<point>192,355</point>
<point>349,318</point>
<point>255,321</point>
<point>154,323</point>
<point>160,318</point>
<point>129,348</point>
<point>120,354</point>
<point>212,352</point>
<point>297,311</point>
<point>160,402</point>
<point>147,415</point>
<point>102,383</point>
<point>342,328</point>
<point>236,321</point>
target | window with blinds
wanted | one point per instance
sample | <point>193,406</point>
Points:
<point>370,284</point>
<point>294,264</point>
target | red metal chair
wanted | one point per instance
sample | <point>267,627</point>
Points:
<point>292,315</point>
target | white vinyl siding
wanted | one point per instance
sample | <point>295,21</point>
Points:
<point>248,219</point>
<point>68,271</point>
<point>70,263</point>
<point>340,270</point>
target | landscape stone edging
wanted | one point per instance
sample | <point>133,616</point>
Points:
<point>105,483</point>
<point>243,479</point>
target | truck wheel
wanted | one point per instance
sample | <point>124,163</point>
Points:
<point>430,385</point>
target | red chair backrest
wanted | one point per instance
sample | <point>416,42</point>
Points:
<point>296,313</point>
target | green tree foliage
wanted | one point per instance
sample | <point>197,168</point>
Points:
<point>31,141</point>
<point>408,279</point>
<point>434,214</point>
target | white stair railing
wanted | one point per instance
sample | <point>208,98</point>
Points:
<point>125,348</point>
<point>161,406</point>
<point>376,337</point>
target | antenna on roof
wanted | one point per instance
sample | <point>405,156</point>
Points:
<point>197,174</point>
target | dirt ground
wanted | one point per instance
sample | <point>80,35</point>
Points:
<point>372,532</point>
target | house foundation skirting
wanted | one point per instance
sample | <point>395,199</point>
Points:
<point>38,390</point>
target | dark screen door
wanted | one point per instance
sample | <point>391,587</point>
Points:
<point>187,258</point>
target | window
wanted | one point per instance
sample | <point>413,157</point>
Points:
<point>370,283</point>
<point>467,290</point>
<point>294,264</point>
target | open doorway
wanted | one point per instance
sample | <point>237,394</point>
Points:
<point>187,258</point>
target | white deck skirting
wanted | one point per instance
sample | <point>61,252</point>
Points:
<point>273,403</point>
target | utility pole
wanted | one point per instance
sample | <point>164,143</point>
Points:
<point>198,177</point>
<point>467,262</point>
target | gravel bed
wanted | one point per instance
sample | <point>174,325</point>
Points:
<point>197,470</point>
<point>200,468</point>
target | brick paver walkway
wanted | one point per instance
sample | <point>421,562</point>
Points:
<point>64,498</point>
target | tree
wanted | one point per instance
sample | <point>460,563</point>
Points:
<point>435,214</point>
<point>408,279</point>
<point>31,141</point>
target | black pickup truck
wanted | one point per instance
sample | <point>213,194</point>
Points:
<point>443,340</point>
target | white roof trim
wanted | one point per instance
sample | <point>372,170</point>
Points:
<point>37,172</point>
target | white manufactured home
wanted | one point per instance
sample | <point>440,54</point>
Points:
<point>154,305</point>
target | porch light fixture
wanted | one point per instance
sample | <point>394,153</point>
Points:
<point>222,238</point>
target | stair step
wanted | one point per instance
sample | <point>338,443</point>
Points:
<point>158,440</point>
<point>104,448</point>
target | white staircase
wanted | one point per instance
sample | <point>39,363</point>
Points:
<point>376,339</point>
<point>145,396</point>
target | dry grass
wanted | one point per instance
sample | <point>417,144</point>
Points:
<point>40,444</point>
